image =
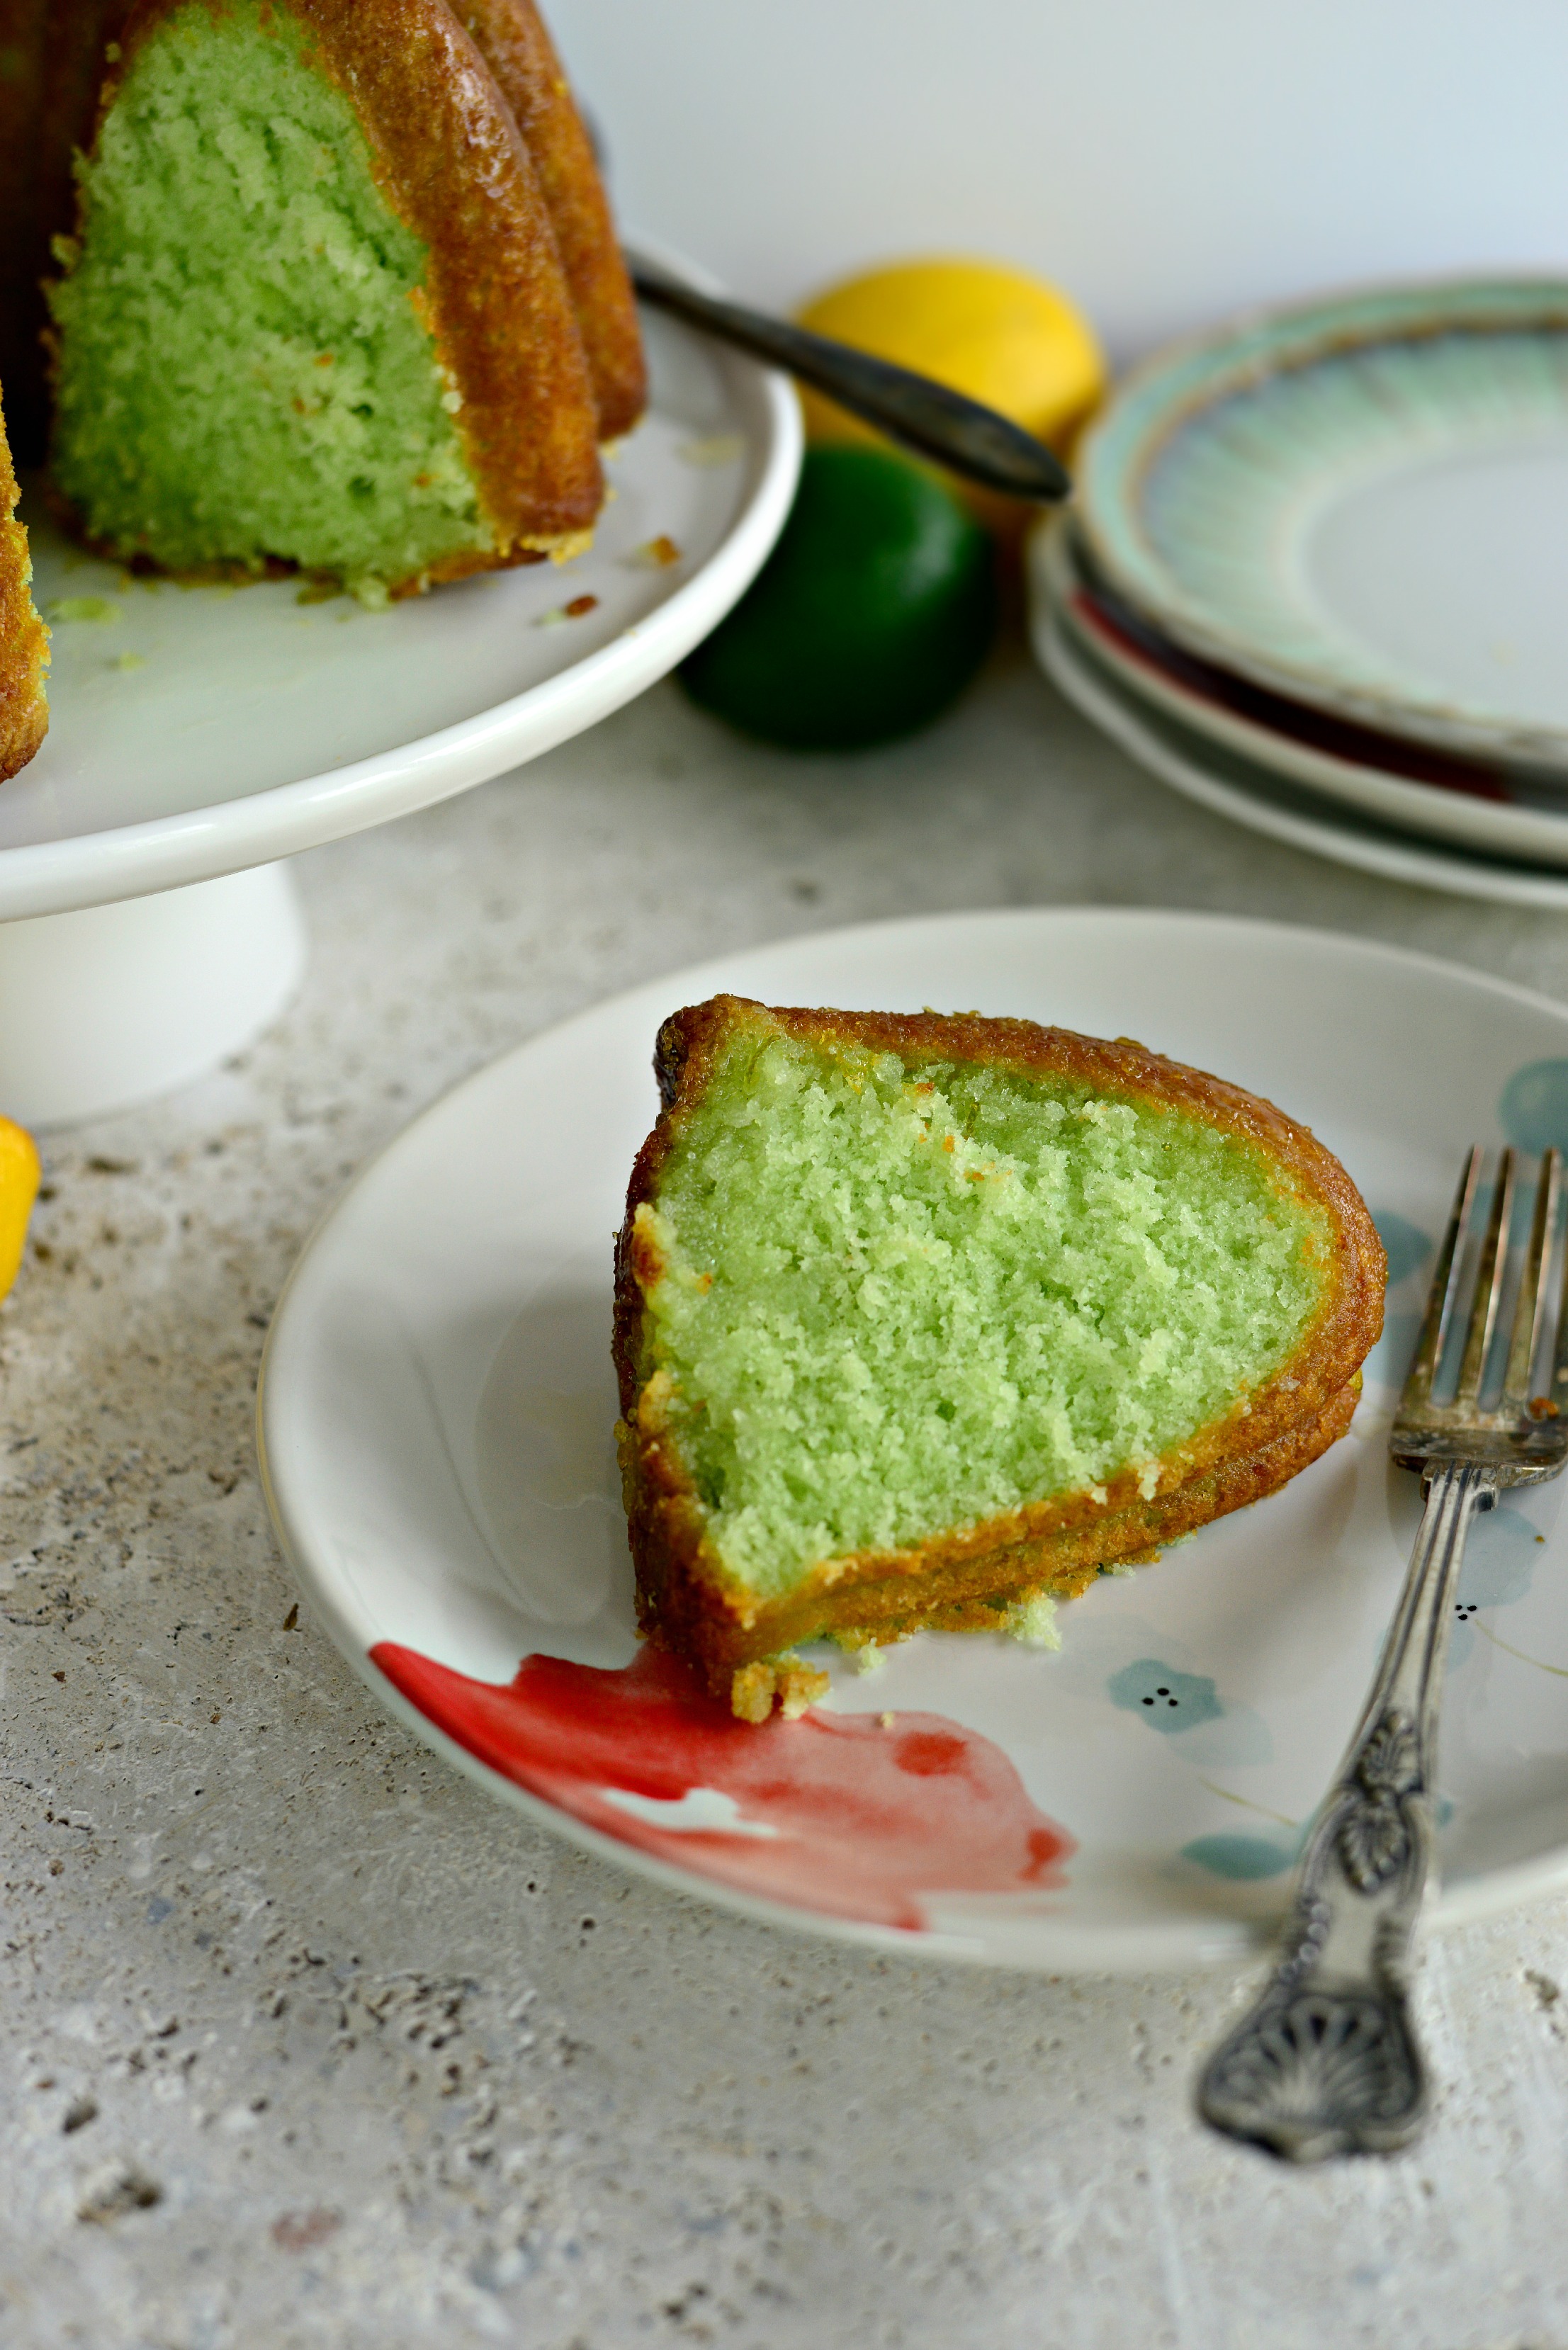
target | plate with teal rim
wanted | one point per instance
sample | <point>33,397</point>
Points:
<point>436,1416</point>
<point>1360,503</point>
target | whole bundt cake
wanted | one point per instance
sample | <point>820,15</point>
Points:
<point>341,291</point>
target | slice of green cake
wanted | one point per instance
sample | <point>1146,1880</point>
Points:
<point>314,314</point>
<point>921,1321</point>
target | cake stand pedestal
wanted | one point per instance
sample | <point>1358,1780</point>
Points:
<point>111,1005</point>
<point>148,927</point>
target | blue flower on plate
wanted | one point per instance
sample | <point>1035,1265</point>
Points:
<point>1188,1707</point>
<point>1408,1248</point>
<point>1532,1108</point>
<point>1247,1857</point>
<point>1499,1568</point>
<point>1172,1700</point>
<point>1500,1558</point>
<point>1406,1244</point>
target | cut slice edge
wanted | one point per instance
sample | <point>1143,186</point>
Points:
<point>970,1576</point>
<point>452,167</point>
<point>967,1582</point>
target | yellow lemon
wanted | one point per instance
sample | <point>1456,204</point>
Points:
<point>18,1189</point>
<point>998,334</point>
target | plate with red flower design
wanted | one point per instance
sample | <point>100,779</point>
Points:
<point>436,1426</point>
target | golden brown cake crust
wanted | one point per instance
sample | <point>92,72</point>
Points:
<point>451,162</point>
<point>962,1582</point>
<point>512,38</point>
<point>24,639</point>
<point>966,1579</point>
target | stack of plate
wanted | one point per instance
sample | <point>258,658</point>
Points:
<point>1316,576</point>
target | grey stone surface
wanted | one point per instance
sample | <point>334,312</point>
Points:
<point>309,2044</point>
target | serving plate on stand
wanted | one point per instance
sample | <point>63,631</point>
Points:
<point>198,736</point>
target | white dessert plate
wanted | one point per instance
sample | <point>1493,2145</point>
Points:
<point>196,731</point>
<point>1263,800</point>
<point>435,1423</point>
<point>1362,502</point>
<point>1495,811</point>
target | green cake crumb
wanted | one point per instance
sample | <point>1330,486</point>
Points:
<point>1032,1622</point>
<point>96,609</point>
<point>910,1297</point>
<point>244,372</point>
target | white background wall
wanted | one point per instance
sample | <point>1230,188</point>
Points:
<point>1165,160</point>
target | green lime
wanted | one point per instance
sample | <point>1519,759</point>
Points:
<point>872,613</point>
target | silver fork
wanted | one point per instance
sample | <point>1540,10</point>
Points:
<point>1327,2062</point>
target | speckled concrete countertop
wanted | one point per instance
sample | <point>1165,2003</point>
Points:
<point>309,2044</point>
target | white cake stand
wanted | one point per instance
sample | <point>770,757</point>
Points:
<point>198,736</point>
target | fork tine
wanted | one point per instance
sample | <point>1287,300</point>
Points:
<point>1489,1283</point>
<point>1558,1391</point>
<point>1529,1313</point>
<point>1441,1296</point>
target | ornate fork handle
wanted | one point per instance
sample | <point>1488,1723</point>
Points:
<point>1327,2062</point>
